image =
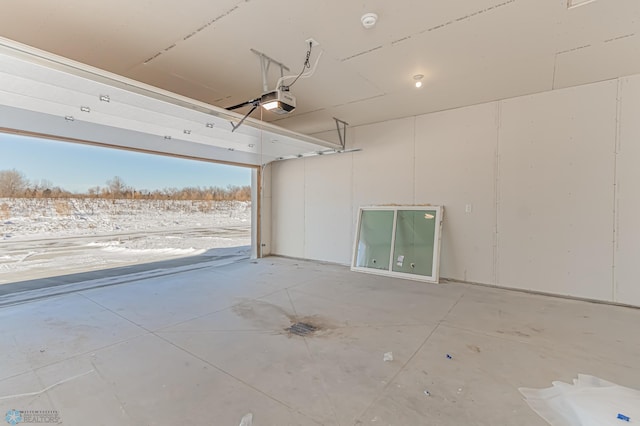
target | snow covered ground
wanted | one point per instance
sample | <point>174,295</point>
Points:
<point>50,237</point>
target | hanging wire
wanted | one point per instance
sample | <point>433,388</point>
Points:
<point>260,192</point>
<point>306,65</point>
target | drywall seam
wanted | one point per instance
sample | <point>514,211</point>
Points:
<point>353,193</point>
<point>364,52</point>
<point>194,32</point>
<point>555,68</point>
<point>618,146</point>
<point>586,46</point>
<point>256,214</point>
<point>616,193</point>
<point>430,29</point>
<point>496,194</point>
<point>466,17</point>
<point>574,49</point>
<point>304,207</point>
<point>619,37</point>
<point>413,173</point>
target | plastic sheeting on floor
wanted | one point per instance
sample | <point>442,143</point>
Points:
<point>589,401</point>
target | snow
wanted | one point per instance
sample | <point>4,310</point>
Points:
<point>50,237</point>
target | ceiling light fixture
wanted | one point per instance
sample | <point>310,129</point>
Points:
<point>418,80</point>
<point>369,20</point>
<point>278,101</point>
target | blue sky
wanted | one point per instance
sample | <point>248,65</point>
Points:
<point>77,167</point>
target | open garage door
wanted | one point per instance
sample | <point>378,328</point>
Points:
<point>72,212</point>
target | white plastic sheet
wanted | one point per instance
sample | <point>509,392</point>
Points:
<point>589,401</point>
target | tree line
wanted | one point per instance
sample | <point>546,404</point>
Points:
<point>14,184</point>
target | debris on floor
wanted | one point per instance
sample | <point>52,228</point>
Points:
<point>247,420</point>
<point>426,392</point>
<point>388,357</point>
<point>589,401</point>
<point>449,356</point>
<point>623,417</point>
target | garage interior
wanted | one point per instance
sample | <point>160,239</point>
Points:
<point>524,129</point>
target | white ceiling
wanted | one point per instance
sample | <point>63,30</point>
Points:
<point>470,51</point>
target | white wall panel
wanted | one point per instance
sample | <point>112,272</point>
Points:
<point>549,192</point>
<point>266,210</point>
<point>455,167</point>
<point>328,208</point>
<point>627,271</point>
<point>287,208</point>
<point>555,192</point>
<point>383,170</point>
<point>266,227</point>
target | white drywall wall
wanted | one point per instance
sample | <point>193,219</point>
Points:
<point>265,222</point>
<point>555,191</point>
<point>537,171</point>
<point>287,209</point>
<point>455,163</point>
<point>328,194</point>
<point>383,170</point>
<point>627,265</point>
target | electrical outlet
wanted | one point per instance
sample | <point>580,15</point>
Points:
<point>468,208</point>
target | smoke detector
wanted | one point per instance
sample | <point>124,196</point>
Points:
<point>369,20</point>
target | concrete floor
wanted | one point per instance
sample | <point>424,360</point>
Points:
<point>206,347</point>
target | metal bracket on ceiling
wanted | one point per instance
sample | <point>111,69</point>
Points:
<point>342,133</point>
<point>235,126</point>
<point>265,63</point>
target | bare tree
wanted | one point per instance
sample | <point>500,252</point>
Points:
<point>12,183</point>
<point>116,187</point>
<point>93,192</point>
<point>44,184</point>
<point>38,188</point>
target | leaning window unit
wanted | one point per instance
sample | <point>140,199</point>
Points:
<point>400,241</point>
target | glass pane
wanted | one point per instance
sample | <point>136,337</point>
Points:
<point>413,249</point>
<point>374,242</point>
